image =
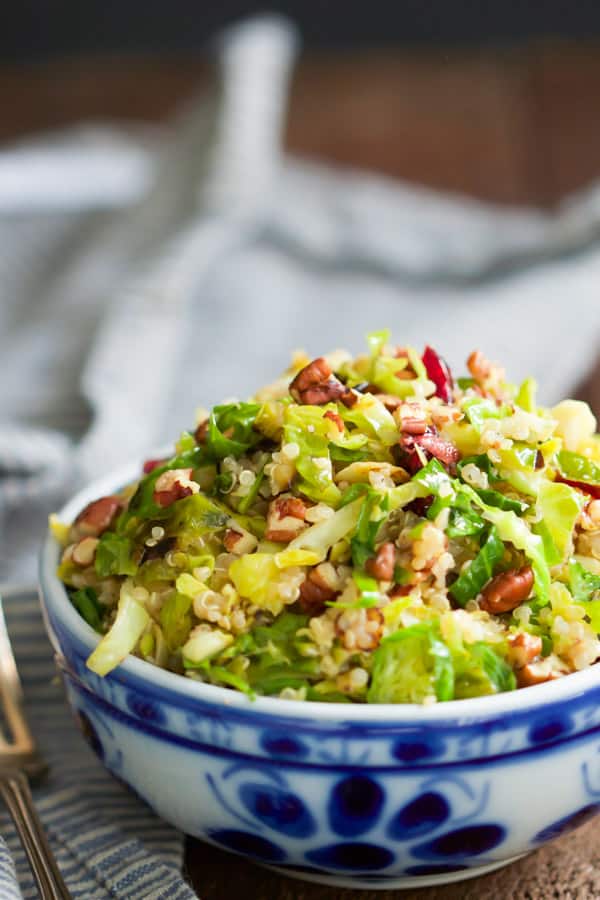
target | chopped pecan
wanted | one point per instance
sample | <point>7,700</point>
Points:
<point>535,673</point>
<point>84,551</point>
<point>443,450</point>
<point>390,402</point>
<point>381,566</point>
<point>173,485</point>
<point>479,366</point>
<point>506,590</point>
<point>399,590</point>
<point>315,385</point>
<point>201,432</point>
<point>413,425</point>
<point>315,593</point>
<point>336,418</point>
<point>96,518</point>
<point>523,648</point>
<point>239,542</point>
<point>285,519</point>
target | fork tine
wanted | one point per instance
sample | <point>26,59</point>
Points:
<point>12,693</point>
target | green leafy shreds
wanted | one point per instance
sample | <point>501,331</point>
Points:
<point>464,523</point>
<point>175,620</point>
<point>479,409</point>
<point>274,658</point>
<point>477,574</point>
<point>479,671</point>
<point>369,593</point>
<point>346,455</point>
<point>114,555</point>
<point>584,585</point>
<point>559,507</point>
<point>362,542</point>
<point>512,529</point>
<point>246,502</point>
<point>230,430</point>
<point>86,603</point>
<point>410,665</point>
<point>526,395</point>
<point>483,462</point>
<point>578,468</point>
<point>501,501</point>
<point>313,464</point>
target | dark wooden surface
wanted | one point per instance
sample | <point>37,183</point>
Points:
<point>513,125</point>
<point>516,126</point>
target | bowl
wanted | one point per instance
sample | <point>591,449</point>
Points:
<point>377,796</point>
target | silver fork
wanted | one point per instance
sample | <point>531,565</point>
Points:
<point>20,761</point>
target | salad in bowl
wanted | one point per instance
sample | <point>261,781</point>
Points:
<point>366,530</point>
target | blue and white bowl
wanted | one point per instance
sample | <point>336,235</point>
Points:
<point>357,796</point>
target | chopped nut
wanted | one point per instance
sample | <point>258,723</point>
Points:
<point>172,485</point>
<point>523,648</point>
<point>201,432</point>
<point>239,542</point>
<point>381,566</point>
<point>96,518</point>
<point>84,552</point>
<point>412,425</point>
<point>316,385</point>
<point>315,592</point>
<point>536,673</point>
<point>285,519</point>
<point>507,590</point>
<point>479,366</point>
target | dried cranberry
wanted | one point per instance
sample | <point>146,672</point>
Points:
<point>439,373</point>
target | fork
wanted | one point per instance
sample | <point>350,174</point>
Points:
<point>20,761</point>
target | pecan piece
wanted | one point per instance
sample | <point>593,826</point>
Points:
<point>315,593</point>
<point>381,566</point>
<point>173,485</point>
<point>239,542</point>
<point>535,673</point>
<point>400,590</point>
<point>443,450</point>
<point>315,385</point>
<point>479,366</point>
<point>506,590</point>
<point>523,648</point>
<point>201,432</point>
<point>84,551</point>
<point>413,425</point>
<point>285,519</point>
<point>96,517</point>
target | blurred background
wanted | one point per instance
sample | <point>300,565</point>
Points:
<point>507,89</point>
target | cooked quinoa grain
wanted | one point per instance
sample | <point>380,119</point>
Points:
<point>363,530</point>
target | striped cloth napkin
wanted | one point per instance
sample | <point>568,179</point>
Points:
<point>107,842</point>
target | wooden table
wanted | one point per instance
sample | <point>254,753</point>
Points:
<point>517,126</point>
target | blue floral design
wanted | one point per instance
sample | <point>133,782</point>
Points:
<point>446,811</point>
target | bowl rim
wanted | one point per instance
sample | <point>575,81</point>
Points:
<point>55,597</point>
